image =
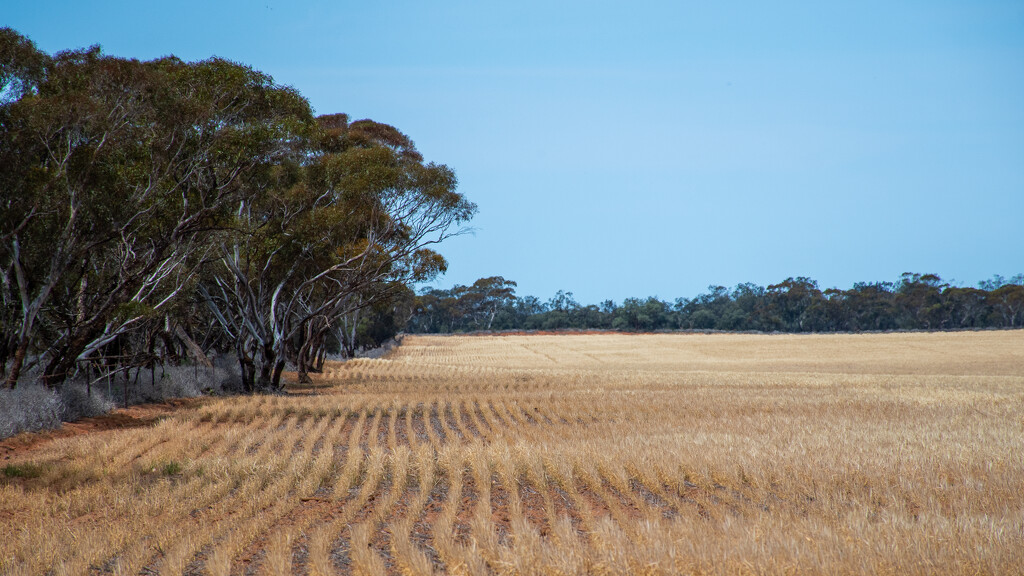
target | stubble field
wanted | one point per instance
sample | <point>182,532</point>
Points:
<point>568,454</point>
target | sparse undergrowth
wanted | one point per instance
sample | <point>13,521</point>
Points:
<point>31,407</point>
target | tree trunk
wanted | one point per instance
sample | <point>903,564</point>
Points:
<point>267,366</point>
<point>314,363</point>
<point>321,357</point>
<point>248,370</point>
<point>350,339</point>
<point>302,355</point>
<point>57,370</point>
<point>19,360</point>
<point>278,369</point>
<point>171,350</point>
<point>302,364</point>
<point>5,354</point>
<point>30,308</point>
<point>195,349</point>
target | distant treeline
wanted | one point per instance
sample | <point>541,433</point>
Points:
<point>914,302</point>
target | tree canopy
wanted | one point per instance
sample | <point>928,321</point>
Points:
<point>142,196</point>
<point>915,302</point>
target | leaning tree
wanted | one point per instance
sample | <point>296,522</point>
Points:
<point>335,229</point>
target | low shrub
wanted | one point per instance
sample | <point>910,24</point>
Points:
<point>169,381</point>
<point>28,408</point>
<point>32,407</point>
<point>77,402</point>
<point>181,381</point>
<point>226,376</point>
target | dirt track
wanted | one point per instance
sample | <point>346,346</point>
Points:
<point>117,419</point>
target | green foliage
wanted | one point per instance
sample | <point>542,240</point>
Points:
<point>916,302</point>
<point>171,468</point>
<point>22,65</point>
<point>133,309</point>
<point>333,234</point>
<point>118,176</point>
<point>24,470</point>
<point>141,197</point>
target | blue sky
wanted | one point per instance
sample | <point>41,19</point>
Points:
<point>653,148</point>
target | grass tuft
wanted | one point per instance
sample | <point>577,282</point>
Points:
<point>171,468</point>
<point>24,470</point>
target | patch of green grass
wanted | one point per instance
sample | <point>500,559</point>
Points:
<point>24,470</point>
<point>171,468</point>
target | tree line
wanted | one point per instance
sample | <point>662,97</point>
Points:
<point>162,211</point>
<point>159,211</point>
<point>914,302</point>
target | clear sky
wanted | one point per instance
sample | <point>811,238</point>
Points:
<point>623,149</point>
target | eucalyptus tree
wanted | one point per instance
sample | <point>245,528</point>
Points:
<point>117,174</point>
<point>489,295</point>
<point>342,226</point>
<point>919,301</point>
<point>1007,302</point>
<point>22,68</point>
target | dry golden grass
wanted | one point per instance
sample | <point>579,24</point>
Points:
<point>589,454</point>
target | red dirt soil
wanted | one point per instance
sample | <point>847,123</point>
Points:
<point>119,418</point>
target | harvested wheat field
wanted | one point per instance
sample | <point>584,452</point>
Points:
<point>569,454</point>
